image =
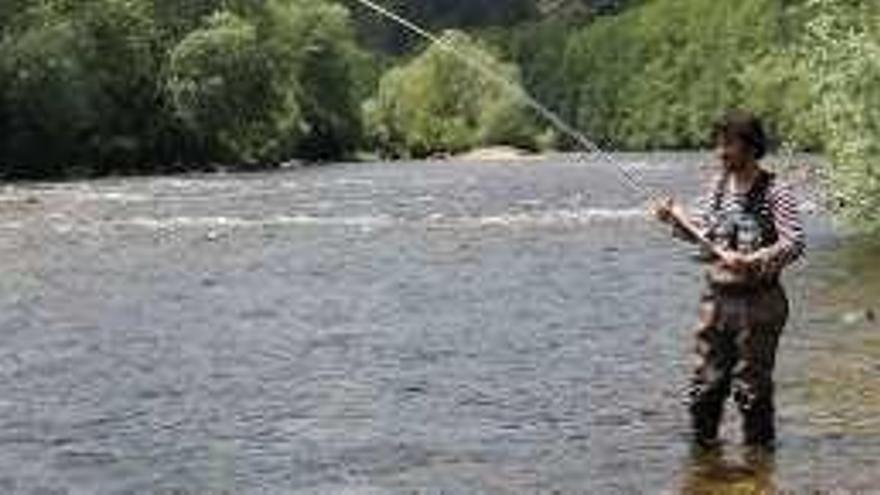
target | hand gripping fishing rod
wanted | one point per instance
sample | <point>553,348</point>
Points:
<point>519,92</point>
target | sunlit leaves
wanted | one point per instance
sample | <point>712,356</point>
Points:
<point>843,53</point>
<point>440,104</point>
<point>223,86</point>
<point>657,75</point>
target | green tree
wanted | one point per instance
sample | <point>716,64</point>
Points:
<point>313,44</point>
<point>49,100</point>
<point>123,59</point>
<point>538,49</point>
<point>270,87</point>
<point>843,53</point>
<point>658,74</point>
<point>152,85</point>
<point>228,92</point>
<point>83,76</point>
<point>439,104</point>
<point>177,18</point>
<point>779,85</point>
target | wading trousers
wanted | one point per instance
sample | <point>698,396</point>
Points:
<point>736,344</point>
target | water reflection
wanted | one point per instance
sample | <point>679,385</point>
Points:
<point>717,472</point>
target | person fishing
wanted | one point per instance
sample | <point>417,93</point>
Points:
<point>749,229</point>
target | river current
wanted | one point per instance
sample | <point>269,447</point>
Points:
<point>439,327</point>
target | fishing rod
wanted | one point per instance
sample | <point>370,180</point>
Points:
<point>554,118</point>
<point>518,91</point>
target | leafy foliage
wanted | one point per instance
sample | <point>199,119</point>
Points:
<point>315,45</point>
<point>656,76</point>
<point>225,88</point>
<point>843,53</point>
<point>439,104</point>
<point>538,49</point>
<point>49,99</point>
<point>117,86</point>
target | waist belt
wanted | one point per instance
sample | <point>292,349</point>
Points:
<point>742,285</point>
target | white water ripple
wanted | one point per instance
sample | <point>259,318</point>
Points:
<point>534,219</point>
<point>552,218</point>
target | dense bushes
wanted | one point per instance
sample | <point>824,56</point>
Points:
<point>41,76</point>
<point>538,49</point>
<point>317,44</point>
<point>657,75</point>
<point>439,104</point>
<point>843,55</point>
<point>102,86</point>
<point>224,87</point>
<point>80,93</point>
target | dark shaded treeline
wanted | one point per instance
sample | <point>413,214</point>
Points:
<point>91,87</point>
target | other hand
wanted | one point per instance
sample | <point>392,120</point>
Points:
<point>735,261</point>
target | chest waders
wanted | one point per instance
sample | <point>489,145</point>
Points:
<point>740,321</point>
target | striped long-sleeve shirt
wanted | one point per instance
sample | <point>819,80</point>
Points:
<point>778,204</point>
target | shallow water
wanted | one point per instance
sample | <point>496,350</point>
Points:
<point>400,328</point>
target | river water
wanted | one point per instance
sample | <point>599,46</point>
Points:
<point>402,328</point>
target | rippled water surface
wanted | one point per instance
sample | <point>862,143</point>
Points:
<point>400,328</point>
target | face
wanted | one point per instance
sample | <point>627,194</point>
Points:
<point>733,153</point>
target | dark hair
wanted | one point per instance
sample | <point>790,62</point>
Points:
<point>745,126</point>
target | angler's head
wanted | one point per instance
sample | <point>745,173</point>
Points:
<point>739,139</point>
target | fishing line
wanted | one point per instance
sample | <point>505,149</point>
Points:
<point>517,90</point>
<point>638,184</point>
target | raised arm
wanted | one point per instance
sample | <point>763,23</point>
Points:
<point>689,227</point>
